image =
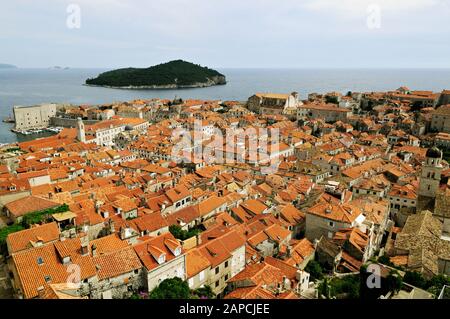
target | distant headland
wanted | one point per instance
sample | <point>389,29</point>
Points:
<point>171,75</point>
<point>7,66</point>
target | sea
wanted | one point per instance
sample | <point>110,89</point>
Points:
<point>33,86</point>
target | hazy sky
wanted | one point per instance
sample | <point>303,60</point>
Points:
<point>227,33</point>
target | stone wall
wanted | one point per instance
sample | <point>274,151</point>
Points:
<point>65,122</point>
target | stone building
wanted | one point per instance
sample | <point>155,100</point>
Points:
<point>421,244</point>
<point>440,119</point>
<point>271,103</point>
<point>163,258</point>
<point>33,117</point>
<point>327,112</point>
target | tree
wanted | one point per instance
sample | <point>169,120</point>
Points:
<point>435,284</point>
<point>394,281</point>
<point>331,99</point>
<point>204,292</point>
<point>324,288</point>
<point>415,278</point>
<point>182,234</point>
<point>314,269</point>
<point>172,288</point>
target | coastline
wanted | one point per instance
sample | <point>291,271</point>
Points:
<point>158,87</point>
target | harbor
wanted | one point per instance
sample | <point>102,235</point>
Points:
<point>54,130</point>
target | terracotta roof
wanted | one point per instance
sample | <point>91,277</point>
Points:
<point>28,238</point>
<point>41,265</point>
<point>107,244</point>
<point>145,250</point>
<point>116,263</point>
<point>195,262</point>
<point>29,204</point>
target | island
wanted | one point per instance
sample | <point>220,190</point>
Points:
<point>171,75</point>
<point>7,66</point>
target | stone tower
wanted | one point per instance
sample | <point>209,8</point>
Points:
<point>430,179</point>
<point>81,135</point>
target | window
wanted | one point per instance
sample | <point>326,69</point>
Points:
<point>217,270</point>
<point>331,224</point>
<point>48,278</point>
<point>40,261</point>
<point>162,259</point>
<point>330,234</point>
<point>226,277</point>
<point>217,284</point>
<point>226,264</point>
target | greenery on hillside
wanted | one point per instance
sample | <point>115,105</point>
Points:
<point>177,72</point>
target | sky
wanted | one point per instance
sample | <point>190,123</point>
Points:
<point>226,33</point>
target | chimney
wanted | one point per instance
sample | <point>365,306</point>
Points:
<point>98,204</point>
<point>84,245</point>
<point>199,239</point>
<point>288,251</point>
<point>94,250</point>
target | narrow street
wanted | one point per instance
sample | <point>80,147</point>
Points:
<point>6,291</point>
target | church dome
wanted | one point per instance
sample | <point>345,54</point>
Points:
<point>434,152</point>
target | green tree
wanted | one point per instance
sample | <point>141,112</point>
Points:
<point>415,278</point>
<point>331,99</point>
<point>204,292</point>
<point>394,281</point>
<point>314,269</point>
<point>182,234</point>
<point>4,232</point>
<point>173,288</point>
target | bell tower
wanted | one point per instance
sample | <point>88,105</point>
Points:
<point>81,135</point>
<point>430,178</point>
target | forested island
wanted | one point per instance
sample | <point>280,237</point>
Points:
<point>171,75</point>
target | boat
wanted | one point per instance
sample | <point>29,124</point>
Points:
<point>55,129</point>
<point>9,119</point>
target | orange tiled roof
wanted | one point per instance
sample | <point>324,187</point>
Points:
<point>27,238</point>
<point>29,204</point>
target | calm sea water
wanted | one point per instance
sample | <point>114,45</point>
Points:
<point>32,86</point>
